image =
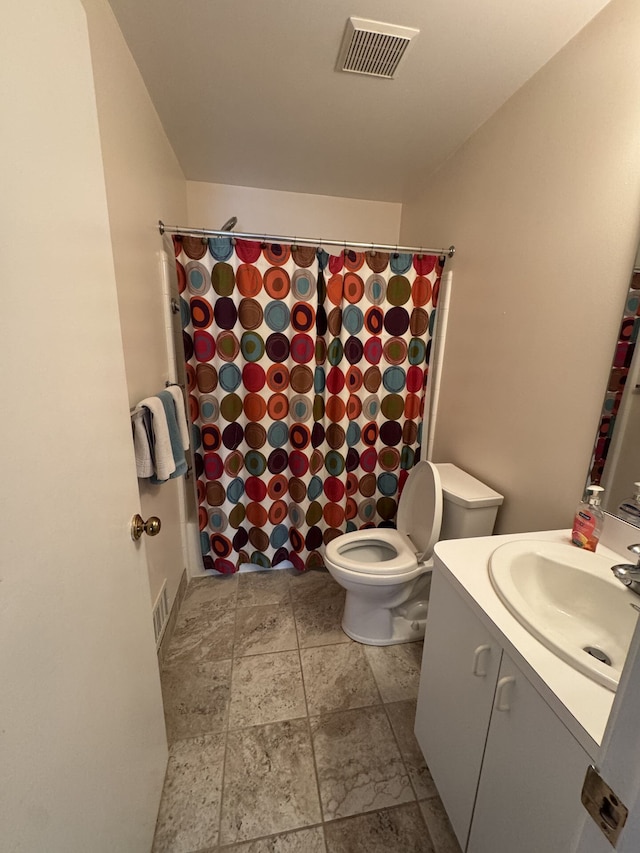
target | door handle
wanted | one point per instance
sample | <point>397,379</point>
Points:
<point>502,697</point>
<point>478,657</point>
<point>138,526</point>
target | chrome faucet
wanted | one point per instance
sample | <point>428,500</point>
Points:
<point>627,573</point>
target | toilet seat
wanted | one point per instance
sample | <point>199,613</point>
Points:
<point>403,551</point>
<point>418,527</point>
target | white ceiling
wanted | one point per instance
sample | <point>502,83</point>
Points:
<point>248,93</point>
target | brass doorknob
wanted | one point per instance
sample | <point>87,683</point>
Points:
<point>139,526</point>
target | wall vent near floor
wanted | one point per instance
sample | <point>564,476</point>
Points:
<point>160,613</point>
<point>374,48</point>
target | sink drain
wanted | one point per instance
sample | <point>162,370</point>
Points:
<point>598,654</point>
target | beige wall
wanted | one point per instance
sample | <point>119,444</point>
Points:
<point>543,204</point>
<point>144,183</point>
<point>293,214</point>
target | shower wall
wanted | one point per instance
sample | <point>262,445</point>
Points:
<point>293,214</point>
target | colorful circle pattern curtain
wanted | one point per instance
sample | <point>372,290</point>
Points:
<point>306,379</point>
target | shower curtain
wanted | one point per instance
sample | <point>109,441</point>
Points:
<point>306,380</point>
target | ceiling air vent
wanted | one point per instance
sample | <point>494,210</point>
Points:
<point>371,47</point>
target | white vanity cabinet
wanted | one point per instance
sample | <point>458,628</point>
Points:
<point>532,774</point>
<point>460,666</point>
<point>507,769</point>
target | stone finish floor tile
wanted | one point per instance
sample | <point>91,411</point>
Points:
<point>312,585</point>
<point>397,830</point>
<point>233,664</point>
<point>196,698</point>
<point>440,831</point>
<point>318,620</point>
<point>265,689</point>
<point>210,593</point>
<point>264,629</point>
<point>269,783</point>
<point>301,841</point>
<point>402,716</point>
<point>200,637</point>
<point>358,762</point>
<point>260,588</point>
<point>337,677</point>
<point>396,670</point>
<point>190,806</point>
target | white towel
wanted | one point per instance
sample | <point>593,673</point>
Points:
<point>142,446</point>
<point>176,393</point>
<point>165,464</point>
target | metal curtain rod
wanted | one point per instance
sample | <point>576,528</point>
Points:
<point>303,241</point>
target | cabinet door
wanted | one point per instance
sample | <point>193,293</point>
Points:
<point>532,774</point>
<point>460,667</point>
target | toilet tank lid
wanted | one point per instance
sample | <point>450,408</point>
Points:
<point>463,489</point>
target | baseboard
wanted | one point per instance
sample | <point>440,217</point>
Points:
<point>173,618</point>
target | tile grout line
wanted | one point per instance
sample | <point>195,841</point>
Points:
<point>308,718</point>
<point>424,820</point>
<point>358,708</point>
<point>371,670</point>
<point>235,658</point>
<point>199,735</point>
<point>226,728</point>
<point>270,607</point>
<point>395,807</point>
<point>237,844</point>
<point>393,733</point>
<point>402,758</point>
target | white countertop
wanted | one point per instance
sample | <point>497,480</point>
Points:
<point>583,705</point>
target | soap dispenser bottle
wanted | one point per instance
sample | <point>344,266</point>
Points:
<point>629,509</point>
<point>587,525</point>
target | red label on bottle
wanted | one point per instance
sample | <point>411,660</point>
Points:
<point>584,531</point>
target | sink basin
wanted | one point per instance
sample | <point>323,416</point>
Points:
<point>569,600</point>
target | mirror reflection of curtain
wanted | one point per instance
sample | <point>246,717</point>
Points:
<point>306,378</point>
<point>610,431</point>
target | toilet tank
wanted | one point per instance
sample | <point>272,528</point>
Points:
<point>469,507</point>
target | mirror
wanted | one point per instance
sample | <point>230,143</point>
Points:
<point>615,463</point>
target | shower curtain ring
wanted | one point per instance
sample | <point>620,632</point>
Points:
<point>373,250</point>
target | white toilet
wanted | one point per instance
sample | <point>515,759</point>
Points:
<point>387,573</point>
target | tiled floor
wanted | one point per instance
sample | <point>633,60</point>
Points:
<point>286,736</point>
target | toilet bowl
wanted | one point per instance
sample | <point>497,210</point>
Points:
<point>387,573</point>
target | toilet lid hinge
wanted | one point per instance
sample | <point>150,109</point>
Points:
<point>419,555</point>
